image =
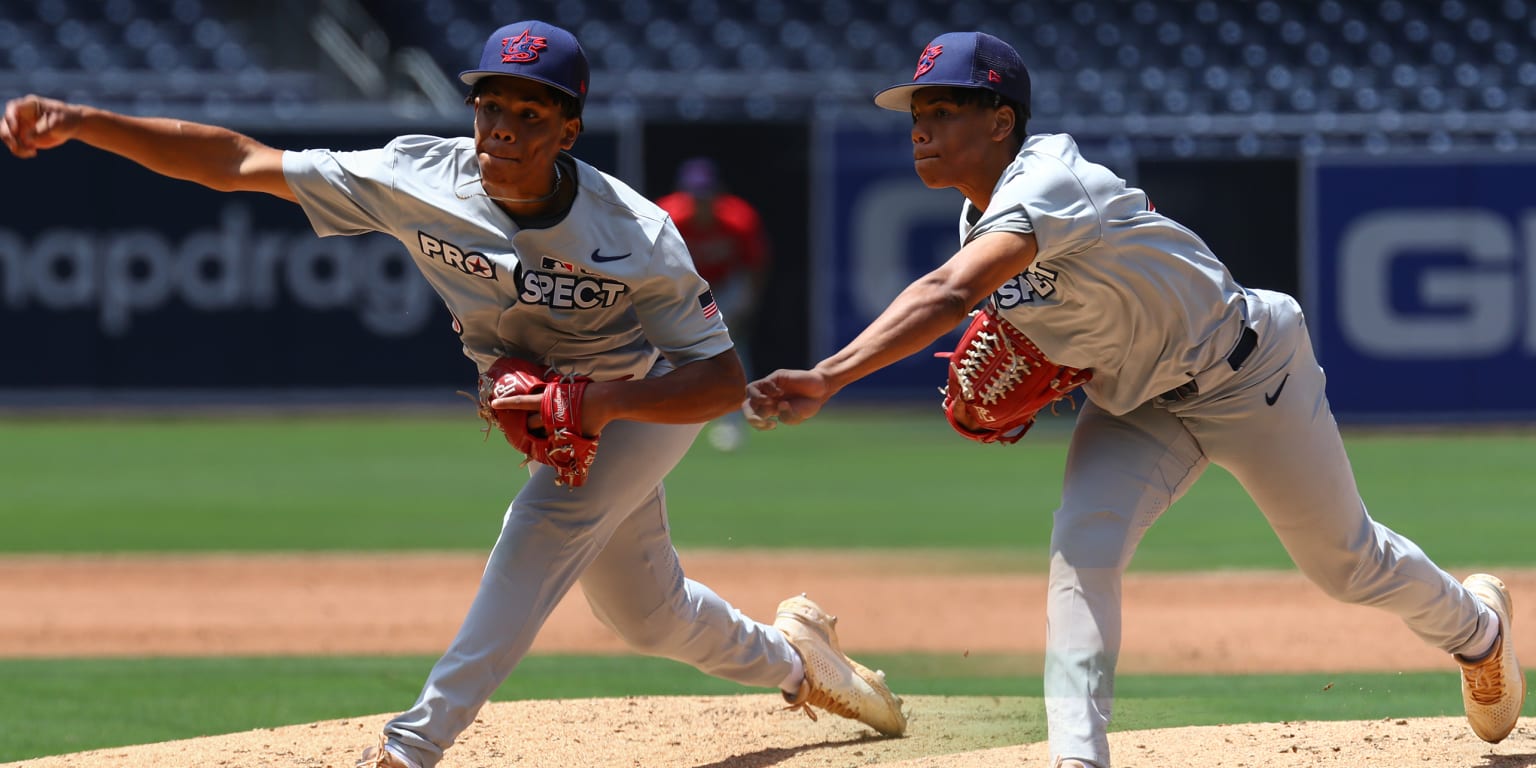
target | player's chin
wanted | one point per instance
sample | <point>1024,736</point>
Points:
<point>499,167</point>
<point>500,185</point>
<point>931,171</point>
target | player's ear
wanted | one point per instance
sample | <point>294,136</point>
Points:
<point>569,133</point>
<point>1003,120</point>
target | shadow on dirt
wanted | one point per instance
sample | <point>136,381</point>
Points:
<point>1508,761</point>
<point>765,758</point>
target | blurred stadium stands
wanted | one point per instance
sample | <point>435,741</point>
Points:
<point>1181,77</point>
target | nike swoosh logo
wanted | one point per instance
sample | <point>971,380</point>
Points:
<point>599,258</point>
<point>1270,399</point>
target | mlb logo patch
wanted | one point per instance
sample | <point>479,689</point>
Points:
<point>555,265</point>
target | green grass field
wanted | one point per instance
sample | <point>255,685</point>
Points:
<point>882,479</point>
<point>852,478</point>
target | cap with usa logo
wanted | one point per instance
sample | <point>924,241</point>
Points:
<point>963,60</point>
<point>534,50</point>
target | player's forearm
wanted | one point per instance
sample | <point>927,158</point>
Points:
<point>692,394</point>
<point>209,155</point>
<point>926,310</point>
<point>931,306</point>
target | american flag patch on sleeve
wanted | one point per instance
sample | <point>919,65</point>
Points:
<point>707,303</point>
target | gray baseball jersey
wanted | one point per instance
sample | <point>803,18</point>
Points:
<point>599,293</point>
<point>1190,369</point>
<point>608,291</point>
<point>1102,250</point>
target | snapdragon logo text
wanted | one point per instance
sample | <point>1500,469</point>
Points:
<point>122,274</point>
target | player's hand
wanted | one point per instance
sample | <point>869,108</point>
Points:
<point>33,123</point>
<point>594,413</point>
<point>530,403</point>
<point>966,417</point>
<point>785,396</point>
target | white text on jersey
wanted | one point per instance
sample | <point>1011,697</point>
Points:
<point>1025,287</point>
<point>473,263</point>
<point>568,291</point>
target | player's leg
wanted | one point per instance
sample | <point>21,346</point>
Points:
<point>1297,472</point>
<point>1121,474</point>
<point>549,536</point>
<point>1274,432</point>
<point>636,586</point>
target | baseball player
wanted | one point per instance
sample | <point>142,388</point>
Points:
<point>725,234</point>
<point>543,257</point>
<point>1188,369</point>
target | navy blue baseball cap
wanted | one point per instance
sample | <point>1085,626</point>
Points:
<point>537,51</point>
<point>964,60</point>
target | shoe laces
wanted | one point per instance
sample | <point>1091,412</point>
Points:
<point>812,695</point>
<point>1485,679</point>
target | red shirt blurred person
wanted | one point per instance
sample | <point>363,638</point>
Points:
<point>730,251</point>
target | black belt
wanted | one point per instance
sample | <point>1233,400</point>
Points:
<point>1240,353</point>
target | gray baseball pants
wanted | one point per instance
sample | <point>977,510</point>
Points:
<point>612,535</point>
<point>1284,447</point>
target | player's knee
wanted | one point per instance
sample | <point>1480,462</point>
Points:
<point>644,632</point>
<point>651,636</point>
<point>1087,539</point>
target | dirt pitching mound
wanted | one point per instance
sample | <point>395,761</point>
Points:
<point>754,732</point>
<point>219,605</point>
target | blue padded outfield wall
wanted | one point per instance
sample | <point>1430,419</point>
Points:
<point>1420,280</point>
<point>1419,276</point>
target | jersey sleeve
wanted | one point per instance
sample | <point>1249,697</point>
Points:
<point>344,193</point>
<point>1042,196</point>
<point>675,305</point>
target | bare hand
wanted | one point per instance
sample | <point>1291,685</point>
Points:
<point>33,123</point>
<point>593,413</point>
<point>787,396</point>
<point>966,417</point>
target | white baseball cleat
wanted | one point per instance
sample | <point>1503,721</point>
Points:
<point>1493,688</point>
<point>833,681</point>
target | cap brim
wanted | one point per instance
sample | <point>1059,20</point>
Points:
<point>898,97</point>
<point>472,76</point>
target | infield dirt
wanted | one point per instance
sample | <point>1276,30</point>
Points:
<point>936,603</point>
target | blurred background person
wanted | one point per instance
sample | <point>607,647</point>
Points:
<point>730,251</point>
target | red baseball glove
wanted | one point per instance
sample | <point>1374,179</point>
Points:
<point>559,442</point>
<point>999,380</point>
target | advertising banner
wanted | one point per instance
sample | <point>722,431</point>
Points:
<point>1421,285</point>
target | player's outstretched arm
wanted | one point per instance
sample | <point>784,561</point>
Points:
<point>924,311</point>
<point>214,157</point>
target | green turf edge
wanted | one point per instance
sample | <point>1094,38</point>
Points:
<point>57,706</point>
